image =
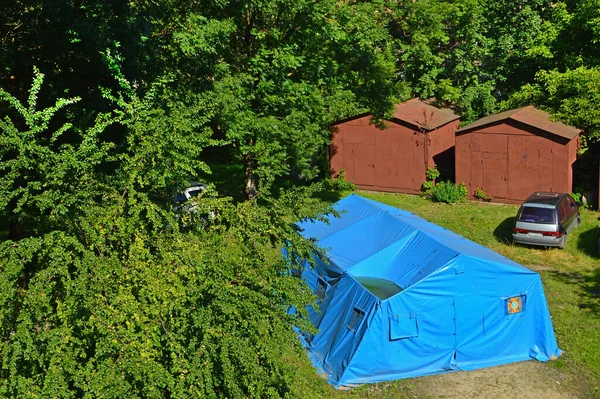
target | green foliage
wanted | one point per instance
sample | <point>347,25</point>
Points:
<point>571,96</point>
<point>448,192</point>
<point>44,172</point>
<point>577,196</point>
<point>481,195</point>
<point>470,54</point>
<point>278,82</point>
<point>105,296</point>
<point>129,313</point>
<point>339,183</point>
<point>77,45</point>
<point>426,188</point>
<point>432,173</point>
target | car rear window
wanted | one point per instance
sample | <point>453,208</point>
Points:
<point>531,214</point>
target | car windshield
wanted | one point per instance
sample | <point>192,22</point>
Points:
<point>194,193</point>
<point>532,214</point>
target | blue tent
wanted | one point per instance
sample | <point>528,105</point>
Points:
<point>402,297</point>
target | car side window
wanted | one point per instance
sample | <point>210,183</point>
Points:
<point>563,210</point>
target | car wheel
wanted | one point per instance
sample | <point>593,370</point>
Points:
<point>563,243</point>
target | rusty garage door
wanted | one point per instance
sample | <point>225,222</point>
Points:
<point>399,160</point>
<point>495,172</point>
<point>364,164</point>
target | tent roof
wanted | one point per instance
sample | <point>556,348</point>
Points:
<point>377,240</point>
<point>530,116</point>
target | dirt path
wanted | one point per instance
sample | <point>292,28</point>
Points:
<point>524,380</point>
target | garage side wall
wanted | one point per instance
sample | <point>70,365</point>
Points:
<point>441,151</point>
<point>573,148</point>
<point>441,140</point>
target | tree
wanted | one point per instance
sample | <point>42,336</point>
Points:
<point>118,311</point>
<point>282,72</point>
<point>106,297</point>
<point>41,172</point>
<point>577,41</point>
<point>469,54</point>
<point>572,97</point>
<point>76,43</point>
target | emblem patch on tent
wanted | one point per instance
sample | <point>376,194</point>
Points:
<point>514,304</point>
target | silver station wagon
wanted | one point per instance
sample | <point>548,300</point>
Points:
<point>546,219</point>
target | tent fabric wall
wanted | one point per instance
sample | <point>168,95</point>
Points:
<point>451,311</point>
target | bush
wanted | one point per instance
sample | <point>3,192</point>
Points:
<point>431,174</point>
<point>481,195</point>
<point>448,192</point>
<point>339,183</point>
<point>101,299</point>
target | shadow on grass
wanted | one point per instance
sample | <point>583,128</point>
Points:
<point>588,283</point>
<point>331,196</point>
<point>503,232</point>
<point>588,242</point>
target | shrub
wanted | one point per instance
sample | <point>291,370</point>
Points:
<point>431,174</point>
<point>481,195</point>
<point>339,183</point>
<point>583,200</point>
<point>448,192</point>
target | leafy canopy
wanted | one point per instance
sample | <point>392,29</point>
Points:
<point>117,302</point>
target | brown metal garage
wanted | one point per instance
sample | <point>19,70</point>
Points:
<point>514,153</point>
<point>394,159</point>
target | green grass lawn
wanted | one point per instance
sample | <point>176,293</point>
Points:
<point>571,280</point>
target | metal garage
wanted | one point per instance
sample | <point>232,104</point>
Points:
<point>514,153</point>
<point>395,159</point>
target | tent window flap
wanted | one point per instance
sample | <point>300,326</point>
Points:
<point>403,326</point>
<point>355,319</point>
<point>322,287</point>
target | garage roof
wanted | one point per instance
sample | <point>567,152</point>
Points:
<point>423,115</point>
<point>530,116</point>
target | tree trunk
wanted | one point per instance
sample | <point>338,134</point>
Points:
<point>250,182</point>
<point>14,227</point>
